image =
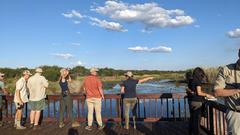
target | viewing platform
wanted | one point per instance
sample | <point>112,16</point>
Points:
<point>161,113</point>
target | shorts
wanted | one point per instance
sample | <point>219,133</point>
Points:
<point>18,106</point>
<point>37,105</point>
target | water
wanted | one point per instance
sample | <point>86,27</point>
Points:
<point>163,86</point>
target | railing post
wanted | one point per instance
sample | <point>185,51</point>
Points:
<point>211,122</point>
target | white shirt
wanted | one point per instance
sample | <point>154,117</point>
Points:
<point>37,85</point>
<point>21,85</point>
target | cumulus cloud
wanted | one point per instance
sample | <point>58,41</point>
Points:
<point>73,14</point>
<point>65,56</point>
<point>77,63</point>
<point>159,49</point>
<point>150,14</point>
<point>76,44</point>
<point>76,22</point>
<point>113,26</point>
<point>234,33</point>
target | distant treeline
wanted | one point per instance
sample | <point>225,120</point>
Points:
<point>52,72</point>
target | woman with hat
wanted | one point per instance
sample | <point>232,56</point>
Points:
<point>128,87</point>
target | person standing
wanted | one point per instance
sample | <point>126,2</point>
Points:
<point>66,99</point>
<point>37,85</point>
<point>197,95</point>
<point>227,85</point>
<point>20,98</point>
<point>92,86</point>
<point>128,88</point>
<point>2,92</point>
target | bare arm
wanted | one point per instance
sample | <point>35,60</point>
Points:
<point>101,92</point>
<point>122,89</point>
<point>18,96</point>
<point>226,92</point>
<point>145,79</point>
<point>201,93</point>
<point>69,79</point>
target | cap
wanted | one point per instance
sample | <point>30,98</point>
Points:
<point>93,69</point>
<point>39,70</point>
<point>26,72</point>
<point>1,74</point>
<point>129,74</point>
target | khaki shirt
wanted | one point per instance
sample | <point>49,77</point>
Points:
<point>21,85</point>
<point>226,80</point>
<point>37,85</point>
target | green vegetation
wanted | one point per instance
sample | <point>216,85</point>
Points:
<point>109,76</point>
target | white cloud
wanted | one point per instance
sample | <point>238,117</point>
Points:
<point>72,14</point>
<point>159,49</point>
<point>63,55</point>
<point>113,26</point>
<point>76,22</point>
<point>77,63</point>
<point>76,44</point>
<point>146,31</point>
<point>234,33</point>
<point>197,26</point>
<point>150,14</point>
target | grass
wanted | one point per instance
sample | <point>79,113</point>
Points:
<point>108,82</point>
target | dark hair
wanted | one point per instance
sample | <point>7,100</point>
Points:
<point>239,53</point>
<point>199,75</point>
<point>189,76</point>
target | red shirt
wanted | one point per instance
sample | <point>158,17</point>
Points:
<point>92,84</point>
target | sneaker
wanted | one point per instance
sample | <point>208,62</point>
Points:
<point>1,123</point>
<point>31,125</point>
<point>61,125</point>
<point>36,127</point>
<point>75,124</point>
<point>101,127</point>
<point>126,127</point>
<point>20,127</point>
<point>134,127</point>
<point>89,128</point>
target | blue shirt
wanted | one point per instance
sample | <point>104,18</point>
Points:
<point>130,88</point>
<point>64,85</point>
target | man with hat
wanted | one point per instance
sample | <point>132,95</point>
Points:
<point>2,92</point>
<point>227,85</point>
<point>128,88</point>
<point>21,97</point>
<point>92,86</point>
<point>37,85</point>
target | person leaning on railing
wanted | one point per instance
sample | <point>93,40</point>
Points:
<point>196,96</point>
<point>66,99</point>
<point>2,92</point>
<point>128,88</point>
<point>227,85</point>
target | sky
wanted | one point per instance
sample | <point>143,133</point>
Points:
<point>127,34</point>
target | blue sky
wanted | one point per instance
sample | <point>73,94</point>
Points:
<point>146,34</point>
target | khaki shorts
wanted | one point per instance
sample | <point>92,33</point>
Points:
<point>19,106</point>
<point>37,105</point>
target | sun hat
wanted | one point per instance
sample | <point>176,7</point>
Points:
<point>26,72</point>
<point>93,69</point>
<point>129,74</point>
<point>39,70</point>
